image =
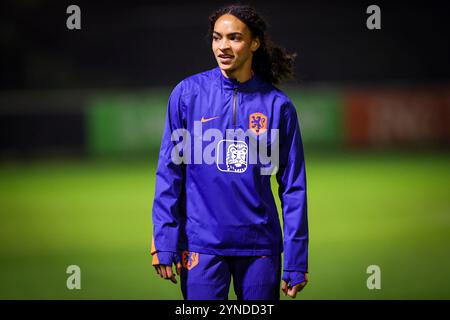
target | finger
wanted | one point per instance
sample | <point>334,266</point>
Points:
<point>292,291</point>
<point>301,285</point>
<point>284,287</point>
<point>170,275</point>
<point>159,271</point>
<point>162,269</point>
<point>178,268</point>
<point>169,272</point>
<point>297,288</point>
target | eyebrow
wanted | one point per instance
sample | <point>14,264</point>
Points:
<point>230,34</point>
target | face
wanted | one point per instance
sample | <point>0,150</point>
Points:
<point>233,45</point>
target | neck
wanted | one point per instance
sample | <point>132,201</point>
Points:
<point>242,74</point>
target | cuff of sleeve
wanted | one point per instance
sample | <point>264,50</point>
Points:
<point>293,277</point>
<point>163,257</point>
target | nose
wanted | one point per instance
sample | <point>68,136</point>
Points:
<point>224,44</point>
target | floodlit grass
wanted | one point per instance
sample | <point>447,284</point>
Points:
<point>390,210</point>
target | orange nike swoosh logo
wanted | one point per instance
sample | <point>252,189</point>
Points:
<point>208,119</point>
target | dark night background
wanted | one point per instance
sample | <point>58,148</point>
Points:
<point>136,44</point>
<point>49,72</point>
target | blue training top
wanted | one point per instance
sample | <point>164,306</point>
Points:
<point>217,198</point>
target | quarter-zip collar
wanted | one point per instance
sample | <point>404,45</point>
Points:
<point>252,84</point>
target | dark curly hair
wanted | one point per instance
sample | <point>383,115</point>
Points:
<point>270,61</point>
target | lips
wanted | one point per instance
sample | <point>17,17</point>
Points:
<point>225,58</point>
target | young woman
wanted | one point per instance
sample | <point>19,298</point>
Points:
<point>216,218</point>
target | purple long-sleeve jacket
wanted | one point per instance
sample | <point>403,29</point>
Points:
<point>213,192</point>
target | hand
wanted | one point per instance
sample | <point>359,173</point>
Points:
<point>166,271</point>
<point>292,291</point>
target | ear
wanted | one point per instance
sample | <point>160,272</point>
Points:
<point>255,44</point>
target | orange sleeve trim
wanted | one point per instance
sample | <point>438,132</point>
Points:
<point>153,250</point>
<point>155,259</point>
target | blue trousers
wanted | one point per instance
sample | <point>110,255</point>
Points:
<point>208,277</point>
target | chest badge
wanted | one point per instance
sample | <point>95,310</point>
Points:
<point>258,123</point>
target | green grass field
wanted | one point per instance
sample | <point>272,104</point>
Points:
<point>391,210</point>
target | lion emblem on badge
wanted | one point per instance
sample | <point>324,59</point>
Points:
<point>258,123</point>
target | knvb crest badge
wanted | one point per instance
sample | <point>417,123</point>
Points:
<point>189,259</point>
<point>258,123</point>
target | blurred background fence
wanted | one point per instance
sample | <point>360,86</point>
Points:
<point>130,123</point>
